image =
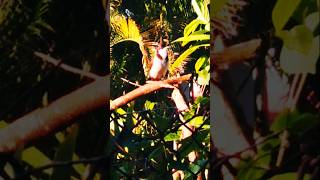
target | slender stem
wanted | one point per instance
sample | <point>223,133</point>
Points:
<point>300,86</point>
<point>66,67</point>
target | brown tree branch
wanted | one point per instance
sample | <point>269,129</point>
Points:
<point>235,54</point>
<point>66,67</point>
<point>62,111</point>
<point>146,89</point>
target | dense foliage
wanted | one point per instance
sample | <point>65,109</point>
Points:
<point>145,132</point>
<point>75,33</point>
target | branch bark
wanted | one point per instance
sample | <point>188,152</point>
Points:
<point>66,67</point>
<point>146,89</point>
<point>62,111</point>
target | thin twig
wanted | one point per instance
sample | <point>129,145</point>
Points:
<point>65,66</point>
<point>284,144</point>
<point>63,163</point>
<point>135,84</point>
<point>299,88</point>
<point>293,86</point>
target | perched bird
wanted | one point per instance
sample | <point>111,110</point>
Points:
<point>160,64</point>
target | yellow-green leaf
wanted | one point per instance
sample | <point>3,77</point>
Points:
<point>192,26</point>
<point>281,13</point>
<point>197,121</point>
<point>2,124</point>
<point>216,6</point>
<point>186,40</point>
<point>293,61</point>
<point>286,176</point>
<point>199,63</point>
<point>179,61</point>
<point>172,136</point>
<point>312,21</point>
<point>204,76</point>
<point>298,38</point>
<point>35,158</point>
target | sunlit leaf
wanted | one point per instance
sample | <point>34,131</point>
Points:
<point>149,105</point>
<point>216,6</point>
<point>204,76</point>
<point>192,26</point>
<point>80,168</point>
<point>312,21</point>
<point>9,170</point>
<point>187,39</point>
<point>173,136</point>
<point>197,121</point>
<point>188,144</point>
<point>298,38</point>
<point>294,121</point>
<point>286,176</point>
<point>179,61</point>
<point>35,158</point>
<point>293,61</point>
<point>2,124</point>
<point>199,63</point>
<point>197,9</point>
<point>281,13</point>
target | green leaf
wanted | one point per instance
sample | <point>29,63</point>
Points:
<point>281,13</point>
<point>201,10</point>
<point>65,153</point>
<point>298,38</point>
<point>197,121</point>
<point>196,8</point>
<point>199,63</point>
<point>202,100</point>
<point>294,121</point>
<point>35,158</point>
<point>188,144</point>
<point>80,168</point>
<point>291,175</point>
<point>312,21</point>
<point>187,39</point>
<point>9,170</point>
<point>251,168</point>
<point>179,61</point>
<point>161,122</point>
<point>293,61</point>
<point>172,136</point>
<point>195,168</point>
<point>204,76</point>
<point>3,124</point>
<point>156,153</point>
<point>192,26</point>
<point>149,105</point>
<point>178,165</point>
<point>216,6</point>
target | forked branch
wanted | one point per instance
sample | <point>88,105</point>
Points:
<point>146,89</point>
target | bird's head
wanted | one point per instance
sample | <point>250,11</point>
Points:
<point>163,52</point>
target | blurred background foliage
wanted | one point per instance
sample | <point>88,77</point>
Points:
<point>288,144</point>
<point>75,33</point>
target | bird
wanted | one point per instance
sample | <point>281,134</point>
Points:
<point>160,64</point>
